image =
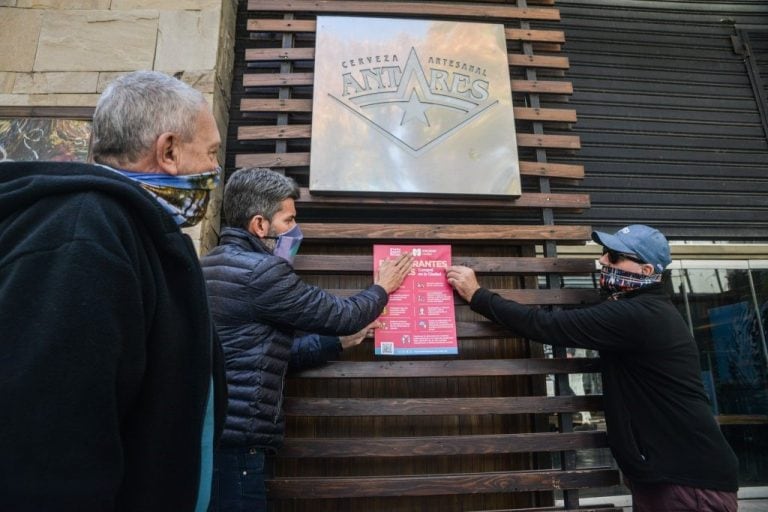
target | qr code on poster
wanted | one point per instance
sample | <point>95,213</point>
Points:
<point>387,347</point>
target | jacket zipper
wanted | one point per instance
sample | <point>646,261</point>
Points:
<point>280,396</point>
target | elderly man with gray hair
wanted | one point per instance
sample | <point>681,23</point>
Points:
<point>111,373</point>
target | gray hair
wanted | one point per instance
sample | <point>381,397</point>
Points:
<point>255,191</point>
<point>135,109</point>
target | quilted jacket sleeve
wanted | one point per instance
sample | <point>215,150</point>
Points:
<point>276,294</point>
<point>311,350</point>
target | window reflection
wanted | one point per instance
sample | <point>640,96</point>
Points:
<point>726,309</point>
<point>725,304</point>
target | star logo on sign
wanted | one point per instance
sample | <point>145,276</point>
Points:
<point>414,110</point>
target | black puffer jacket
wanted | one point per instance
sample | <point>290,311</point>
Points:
<point>258,303</point>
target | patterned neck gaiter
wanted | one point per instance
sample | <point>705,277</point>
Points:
<point>185,197</point>
<point>616,281</point>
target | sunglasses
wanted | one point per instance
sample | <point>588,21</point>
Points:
<point>614,257</point>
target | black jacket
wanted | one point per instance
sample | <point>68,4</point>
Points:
<point>660,425</point>
<point>107,357</point>
<point>258,303</point>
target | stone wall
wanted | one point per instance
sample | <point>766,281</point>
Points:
<point>63,52</point>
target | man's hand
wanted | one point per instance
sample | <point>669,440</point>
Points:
<point>463,281</point>
<point>358,337</point>
<point>392,272</point>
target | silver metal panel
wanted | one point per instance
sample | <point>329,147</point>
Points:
<point>412,106</point>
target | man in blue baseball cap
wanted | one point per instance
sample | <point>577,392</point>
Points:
<point>633,257</point>
<point>660,425</point>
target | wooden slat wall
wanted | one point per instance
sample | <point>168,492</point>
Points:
<point>467,432</point>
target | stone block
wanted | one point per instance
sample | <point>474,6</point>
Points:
<point>13,100</point>
<point>167,5</point>
<point>96,41</point>
<point>6,82</point>
<point>7,3</point>
<point>61,100</point>
<point>204,81</point>
<point>20,29</point>
<point>56,82</point>
<point>63,4</point>
<point>187,40</point>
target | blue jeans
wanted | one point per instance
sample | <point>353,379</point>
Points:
<point>238,481</point>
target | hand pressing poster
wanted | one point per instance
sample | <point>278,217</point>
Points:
<point>419,318</point>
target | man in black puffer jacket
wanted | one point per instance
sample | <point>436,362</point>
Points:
<point>258,303</point>
<point>660,425</point>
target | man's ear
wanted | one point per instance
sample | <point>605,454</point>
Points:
<point>259,226</point>
<point>647,269</point>
<point>167,151</point>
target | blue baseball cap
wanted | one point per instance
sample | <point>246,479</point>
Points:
<point>639,240</point>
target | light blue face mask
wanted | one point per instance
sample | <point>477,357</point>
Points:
<point>287,244</point>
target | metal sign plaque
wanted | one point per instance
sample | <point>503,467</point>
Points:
<point>412,106</point>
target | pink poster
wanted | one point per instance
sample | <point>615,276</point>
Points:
<point>419,318</point>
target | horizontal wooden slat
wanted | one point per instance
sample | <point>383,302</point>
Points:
<point>479,330</point>
<point>516,34</point>
<point>439,406</point>
<point>258,25</point>
<point>487,329</point>
<point>542,86</point>
<point>441,445</point>
<point>526,200</point>
<point>286,105</point>
<point>275,105</point>
<point>291,105</point>
<point>538,61</point>
<point>530,140</point>
<point>428,485</point>
<point>277,79</point>
<point>290,131</point>
<point>266,54</point>
<point>547,36</point>
<point>742,419</point>
<point>473,10</point>
<point>304,131</point>
<point>461,368</point>
<point>566,171</point>
<point>545,114</point>
<point>452,232</point>
<point>551,296</point>
<point>271,159</point>
<point>287,79</point>
<point>350,263</point>
<point>298,79</point>
<point>548,297</point>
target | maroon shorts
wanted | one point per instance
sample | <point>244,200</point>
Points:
<point>680,498</point>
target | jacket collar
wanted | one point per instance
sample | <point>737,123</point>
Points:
<point>243,239</point>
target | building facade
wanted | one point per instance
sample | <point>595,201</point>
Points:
<point>628,111</point>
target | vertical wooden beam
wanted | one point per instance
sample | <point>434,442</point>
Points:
<point>554,281</point>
